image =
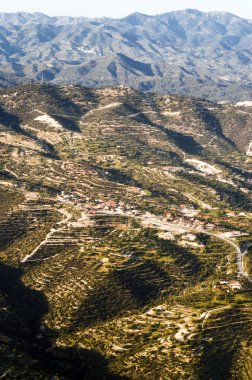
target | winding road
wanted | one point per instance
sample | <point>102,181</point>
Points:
<point>157,222</point>
<point>241,252</point>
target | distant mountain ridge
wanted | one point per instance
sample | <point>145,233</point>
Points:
<point>186,52</point>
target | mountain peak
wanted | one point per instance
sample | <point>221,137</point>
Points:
<point>137,18</point>
<point>193,11</point>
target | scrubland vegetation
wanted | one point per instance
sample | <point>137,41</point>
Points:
<point>123,218</point>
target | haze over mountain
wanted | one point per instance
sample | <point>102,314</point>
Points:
<point>187,52</point>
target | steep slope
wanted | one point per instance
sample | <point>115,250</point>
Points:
<point>121,215</point>
<point>186,52</point>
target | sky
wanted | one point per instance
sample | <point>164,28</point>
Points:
<point>122,8</point>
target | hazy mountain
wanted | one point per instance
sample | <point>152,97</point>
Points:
<point>188,52</point>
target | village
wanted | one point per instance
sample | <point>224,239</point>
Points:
<point>182,224</point>
<point>127,243</point>
<point>185,216</point>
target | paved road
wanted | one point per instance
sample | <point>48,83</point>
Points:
<point>157,222</point>
<point>241,252</point>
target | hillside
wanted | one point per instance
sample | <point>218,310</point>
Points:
<point>184,52</point>
<point>125,224</point>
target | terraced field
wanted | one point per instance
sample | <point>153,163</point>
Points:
<point>119,218</point>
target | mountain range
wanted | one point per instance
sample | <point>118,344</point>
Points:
<point>186,52</point>
<point>126,197</point>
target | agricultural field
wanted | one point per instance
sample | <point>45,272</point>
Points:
<point>125,236</point>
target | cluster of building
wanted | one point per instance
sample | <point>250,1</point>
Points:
<point>227,285</point>
<point>187,216</point>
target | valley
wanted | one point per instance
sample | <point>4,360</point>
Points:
<point>125,224</point>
